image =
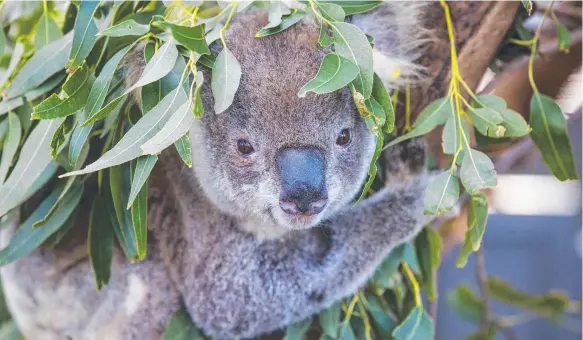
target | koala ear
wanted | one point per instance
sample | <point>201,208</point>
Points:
<point>398,33</point>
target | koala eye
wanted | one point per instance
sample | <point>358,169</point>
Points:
<point>244,147</point>
<point>344,137</point>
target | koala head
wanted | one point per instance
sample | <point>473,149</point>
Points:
<point>273,158</point>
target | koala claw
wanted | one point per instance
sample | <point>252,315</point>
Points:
<point>406,160</point>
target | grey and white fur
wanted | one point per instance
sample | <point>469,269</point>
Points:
<point>220,244</point>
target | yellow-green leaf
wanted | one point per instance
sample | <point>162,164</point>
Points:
<point>335,73</point>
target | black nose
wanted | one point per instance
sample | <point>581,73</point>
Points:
<point>303,180</point>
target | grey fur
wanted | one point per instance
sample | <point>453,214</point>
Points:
<point>219,243</point>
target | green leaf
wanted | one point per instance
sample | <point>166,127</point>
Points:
<point>383,321</point>
<point>276,11</point>
<point>119,186</point>
<point>477,217</point>
<point>467,304</point>
<point>2,42</point>
<point>125,28</point>
<point>183,147</point>
<point>14,132</point>
<point>385,273</point>
<point>128,147</point>
<point>380,94</point>
<point>335,73</point>
<point>527,4</point>
<point>513,123</point>
<point>442,193</point>
<point>85,33</point>
<point>17,53</point>
<point>191,37</point>
<point>60,137</point>
<point>198,108</point>
<point>477,171</point>
<point>287,21</point>
<point>330,320</point>
<point>331,11</point>
<point>298,330</point>
<point>551,304</point>
<point>549,133</point>
<point>34,159</point>
<point>176,127</point>
<point>44,63</point>
<point>351,43</point>
<point>100,242</point>
<point>428,246</point>
<point>565,39</point>
<point>433,115</point>
<point>160,65</point>
<point>181,327</point>
<point>225,80</point>
<point>417,325</point>
<point>144,166</point>
<point>372,170</point>
<point>354,7</point>
<point>76,88</point>
<point>78,139</point>
<point>101,85</point>
<point>112,106</point>
<point>9,330</point>
<point>47,31</point>
<point>27,238</point>
<point>410,256</point>
<point>450,136</point>
<point>324,39</point>
<point>486,122</point>
<point>139,209</point>
<point>31,95</point>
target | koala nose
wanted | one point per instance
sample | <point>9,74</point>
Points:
<point>303,180</point>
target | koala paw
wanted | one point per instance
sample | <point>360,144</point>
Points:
<point>405,161</point>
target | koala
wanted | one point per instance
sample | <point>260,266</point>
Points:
<point>262,232</point>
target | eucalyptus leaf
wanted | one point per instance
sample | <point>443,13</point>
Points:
<point>351,43</point>
<point>428,246</point>
<point>121,218</point>
<point>181,327</point>
<point>100,242</point>
<point>354,7</point>
<point>226,76</point>
<point>324,39</point>
<point>191,37</point>
<point>128,147</point>
<point>513,123</point>
<point>47,31</point>
<point>160,65</point>
<point>433,115</point>
<point>184,149</point>
<point>44,63</point>
<point>10,147</point>
<point>126,28</point>
<point>331,11</point>
<point>276,11</point>
<point>27,238</point>
<point>477,217</point>
<point>380,94</point>
<point>77,89</point>
<point>442,193</point>
<point>144,166</point>
<point>384,322</point>
<point>34,158</point>
<point>330,320</point>
<point>549,133</point>
<point>178,125</point>
<point>139,210</point>
<point>466,303</point>
<point>85,33</point>
<point>372,170</point>
<point>477,171</point>
<point>287,21</point>
<point>17,53</point>
<point>486,122</point>
<point>61,137</point>
<point>335,73</point>
<point>297,330</point>
<point>417,325</point>
<point>2,42</point>
<point>565,38</point>
<point>78,140</point>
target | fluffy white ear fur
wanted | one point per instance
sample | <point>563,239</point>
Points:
<point>399,37</point>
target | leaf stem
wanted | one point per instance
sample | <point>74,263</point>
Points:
<point>533,47</point>
<point>222,31</point>
<point>414,283</point>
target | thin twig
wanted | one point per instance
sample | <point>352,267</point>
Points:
<point>481,277</point>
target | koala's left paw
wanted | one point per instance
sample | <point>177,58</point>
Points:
<point>405,160</point>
